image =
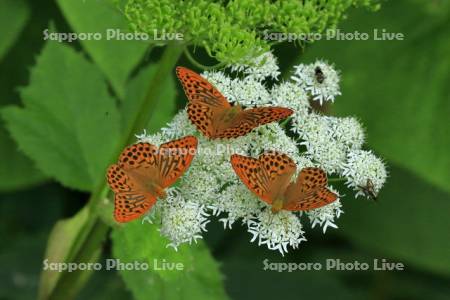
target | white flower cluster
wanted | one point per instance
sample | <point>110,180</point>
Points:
<point>211,189</point>
<point>319,79</point>
<point>262,67</point>
<point>362,167</point>
<point>181,220</point>
<point>328,140</point>
<point>324,216</point>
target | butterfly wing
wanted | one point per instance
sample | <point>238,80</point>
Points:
<point>130,180</point>
<point>138,156</point>
<point>280,169</point>
<point>174,159</point>
<point>200,90</point>
<point>132,205</point>
<point>267,176</point>
<point>252,175</point>
<point>130,200</point>
<point>309,192</point>
<point>206,103</point>
<point>247,120</point>
<point>142,168</point>
<point>202,117</point>
<point>207,108</point>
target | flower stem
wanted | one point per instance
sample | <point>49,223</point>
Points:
<point>87,246</point>
<point>338,179</point>
<point>199,65</point>
<point>285,122</point>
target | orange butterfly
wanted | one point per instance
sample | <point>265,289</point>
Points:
<point>214,116</point>
<point>269,177</point>
<point>144,171</point>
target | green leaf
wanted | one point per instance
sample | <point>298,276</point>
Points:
<point>116,58</point>
<point>199,279</point>
<point>410,222</point>
<point>399,89</point>
<point>67,231</point>
<point>15,165</point>
<point>69,125</point>
<point>18,46</point>
<point>13,17</point>
<point>136,94</point>
<point>61,240</point>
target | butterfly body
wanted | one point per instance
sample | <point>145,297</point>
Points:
<point>156,189</point>
<point>277,205</point>
<point>270,178</point>
<point>143,172</point>
<point>226,118</point>
<point>215,117</point>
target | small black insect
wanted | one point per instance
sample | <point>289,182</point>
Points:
<point>320,77</point>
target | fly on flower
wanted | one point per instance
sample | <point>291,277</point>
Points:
<point>214,116</point>
<point>144,171</point>
<point>369,190</point>
<point>269,177</point>
<point>320,77</point>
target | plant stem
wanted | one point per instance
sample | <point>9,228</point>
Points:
<point>339,179</point>
<point>285,122</point>
<point>93,235</point>
<point>87,246</point>
<point>200,65</point>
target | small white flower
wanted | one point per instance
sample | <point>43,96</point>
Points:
<point>237,202</point>
<point>180,126</point>
<point>321,146</point>
<point>250,92</point>
<point>222,82</point>
<point>200,187</point>
<point>320,79</point>
<point>182,221</point>
<point>273,137</point>
<point>213,157</point>
<point>331,158</point>
<point>260,68</point>
<point>304,162</point>
<point>325,216</point>
<point>247,91</point>
<point>291,95</point>
<point>362,166</point>
<point>349,132</point>
<point>155,139</point>
<point>277,231</point>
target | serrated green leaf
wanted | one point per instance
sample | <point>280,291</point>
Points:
<point>17,171</point>
<point>116,58</point>
<point>13,17</point>
<point>70,124</point>
<point>200,279</point>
